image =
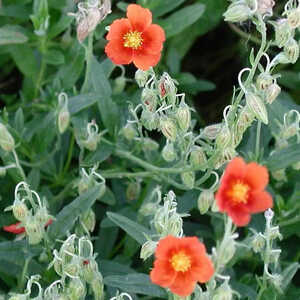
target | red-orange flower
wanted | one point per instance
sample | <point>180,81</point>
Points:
<point>242,191</point>
<point>180,263</point>
<point>17,229</point>
<point>135,39</point>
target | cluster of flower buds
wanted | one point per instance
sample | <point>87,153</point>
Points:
<point>90,14</point>
<point>241,10</point>
<point>166,220</point>
<point>91,137</point>
<point>76,265</point>
<point>263,243</point>
<point>7,142</point>
<point>31,221</point>
<point>63,118</point>
<point>122,296</point>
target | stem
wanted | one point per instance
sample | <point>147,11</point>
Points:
<point>22,279</point>
<point>43,66</point>
<point>88,58</point>
<point>257,140</point>
<point>70,154</point>
<point>18,166</point>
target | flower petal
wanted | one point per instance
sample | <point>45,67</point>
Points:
<point>236,168</point>
<point>14,228</point>
<point>259,201</point>
<point>256,176</point>
<point>119,54</point>
<point>182,285</point>
<point>118,29</point>
<point>139,17</point>
<point>165,247</point>
<point>153,39</point>
<point>239,218</point>
<point>144,61</point>
<point>202,269</point>
<point>162,273</point>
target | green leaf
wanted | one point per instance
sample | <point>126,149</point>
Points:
<point>19,120</point>
<point>288,274</point>
<point>81,102</point>
<point>108,197</point>
<point>54,57</point>
<point>134,229</point>
<point>101,154</point>
<point>284,158</point>
<point>68,215</point>
<point>58,27</point>
<point>10,35</point>
<point>161,7</point>
<point>181,19</point>
<point>109,268</point>
<point>136,283</point>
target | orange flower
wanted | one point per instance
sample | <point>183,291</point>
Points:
<point>242,191</point>
<point>135,39</point>
<point>180,263</point>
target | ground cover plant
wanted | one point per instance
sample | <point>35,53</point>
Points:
<point>149,149</point>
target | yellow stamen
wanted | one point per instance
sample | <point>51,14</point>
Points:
<point>239,192</point>
<point>133,39</point>
<point>180,262</point>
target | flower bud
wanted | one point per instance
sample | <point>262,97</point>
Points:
<point>148,249</point>
<point>228,252</point>
<point>210,132</point>
<point>7,142</point>
<point>63,120</point>
<point>265,7</point>
<point>34,231</point>
<point>264,81</point>
<point>293,17</point>
<point>205,200</point>
<point>97,287</point>
<point>91,142</point>
<point>42,216</point>
<point>257,107</point>
<point>82,30</point>
<point>282,32</point>
<point>84,185</point>
<point>183,116</point>
<point>167,87</point>
<point>148,209</point>
<point>150,145</point>
<point>223,138</point>
<point>290,131</point>
<point>174,225</point>
<point>198,157</point>
<point>168,129</point>
<point>188,179</point>
<point>93,18</point>
<point>168,152</point>
<point>89,220</point>
<point>272,93</point>
<point>119,85</point>
<point>279,175</point>
<point>20,211</point>
<point>129,132</point>
<point>133,190</point>
<point>2,171</point>
<point>237,12</point>
<point>274,233</point>
<point>274,256</point>
<point>72,269</point>
<point>89,269</point>
<point>76,289</point>
<point>149,120</point>
<point>224,292</point>
<point>141,77</point>
<point>149,99</point>
<point>291,50</point>
<point>281,143</point>
<point>258,243</point>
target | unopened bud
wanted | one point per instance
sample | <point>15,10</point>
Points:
<point>167,87</point>
<point>148,209</point>
<point>119,85</point>
<point>183,116</point>
<point>76,289</point>
<point>63,120</point>
<point>149,99</point>
<point>210,132</point>
<point>141,77</point>
<point>293,17</point>
<point>223,138</point>
<point>133,190</point>
<point>272,93</point>
<point>237,13</point>
<point>198,157</point>
<point>150,145</point>
<point>129,132</point>
<point>275,233</point>
<point>91,142</point>
<point>97,287</point>
<point>7,142</point>
<point>34,231</point>
<point>283,32</point>
<point>168,129</point>
<point>258,243</point>
<point>168,152</point>
<point>279,175</point>
<point>72,269</point>
<point>290,131</point>
<point>20,211</point>
<point>265,7</point>
<point>148,249</point>
<point>93,18</point>
<point>188,179</point>
<point>205,200</point>
<point>274,256</point>
<point>89,269</point>
<point>291,50</point>
<point>82,30</point>
<point>2,171</point>
<point>224,292</point>
<point>263,81</point>
<point>89,220</point>
<point>257,106</point>
<point>149,120</point>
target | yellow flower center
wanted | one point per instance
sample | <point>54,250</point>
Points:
<point>180,262</point>
<point>239,192</point>
<point>133,39</point>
